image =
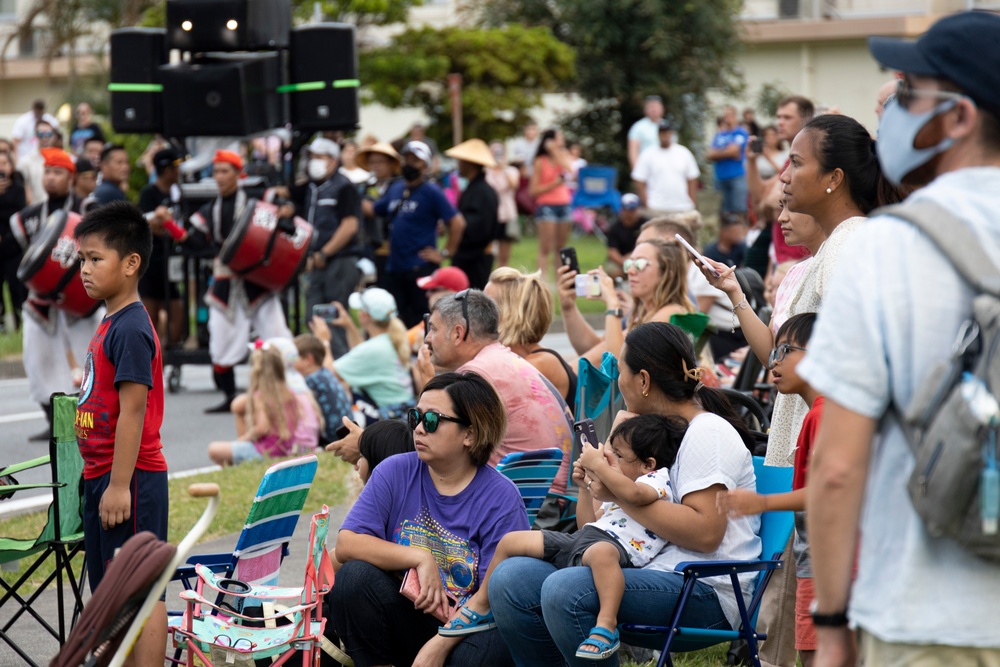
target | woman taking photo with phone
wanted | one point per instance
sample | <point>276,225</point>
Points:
<point>440,511</point>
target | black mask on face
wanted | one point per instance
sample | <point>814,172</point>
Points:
<point>410,173</point>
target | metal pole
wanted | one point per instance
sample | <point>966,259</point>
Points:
<point>455,92</point>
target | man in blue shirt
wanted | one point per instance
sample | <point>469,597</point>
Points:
<point>728,152</point>
<point>414,206</point>
<point>115,169</point>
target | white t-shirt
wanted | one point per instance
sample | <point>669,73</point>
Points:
<point>646,132</point>
<point>713,453</point>
<point>356,175</point>
<point>639,543</point>
<point>666,172</point>
<point>24,132</point>
<point>721,313</point>
<point>890,313</point>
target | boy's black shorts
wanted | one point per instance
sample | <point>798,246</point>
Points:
<point>566,549</point>
<point>149,512</point>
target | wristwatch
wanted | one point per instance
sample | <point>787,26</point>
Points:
<point>617,312</point>
<point>835,620</point>
<point>445,253</point>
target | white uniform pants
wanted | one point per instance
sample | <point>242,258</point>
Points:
<point>44,354</point>
<point>228,339</point>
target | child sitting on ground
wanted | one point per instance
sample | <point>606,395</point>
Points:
<point>645,447</point>
<point>790,346</point>
<point>278,422</point>
<point>333,401</point>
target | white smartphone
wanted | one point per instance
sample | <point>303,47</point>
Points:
<point>698,256</point>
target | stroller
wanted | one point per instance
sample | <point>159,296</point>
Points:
<point>137,577</point>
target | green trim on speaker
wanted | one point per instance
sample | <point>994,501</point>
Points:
<point>346,83</point>
<point>135,88</point>
<point>302,87</point>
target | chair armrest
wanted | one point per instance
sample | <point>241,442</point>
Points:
<point>14,488</point>
<point>25,465</point>
<point>211,561</point>
<point>718,568</point>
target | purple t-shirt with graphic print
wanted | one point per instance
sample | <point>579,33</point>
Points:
<point>401,504</point>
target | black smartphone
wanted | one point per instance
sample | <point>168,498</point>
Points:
<point>427,324</point>
<point>327,311</point>
<point>568,258</point>
<point>584,429</point>
<point>344,430</point>
<point>757,145</point>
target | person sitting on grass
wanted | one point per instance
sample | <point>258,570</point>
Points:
<point>278,421</point>
<point>608,540</point>
<point>332,399</point>
<point>790,347</point>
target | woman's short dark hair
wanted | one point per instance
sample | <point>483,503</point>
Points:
<point>797,329</point>
<point>384,439</point>
<point>652,436</point>
<point>478,404</point>
<point>663,350</point>
<point>840,142</point>
<point>546,135</point>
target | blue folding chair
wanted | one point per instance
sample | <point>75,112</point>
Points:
<point>532,474</point>
<point>775,529</point>
<point>597,188</point>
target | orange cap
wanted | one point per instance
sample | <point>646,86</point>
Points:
<point>229,157</point>
<point>57,157</point>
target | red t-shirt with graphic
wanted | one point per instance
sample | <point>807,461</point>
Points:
<point>124,349</point>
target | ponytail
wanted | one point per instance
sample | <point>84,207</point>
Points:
<point>400,339</point>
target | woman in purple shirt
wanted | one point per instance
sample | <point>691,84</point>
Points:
<point>441,511</point>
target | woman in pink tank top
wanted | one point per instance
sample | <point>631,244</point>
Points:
<point>553,216</point>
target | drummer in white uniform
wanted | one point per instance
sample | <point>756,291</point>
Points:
<point>52,337</point>
<point>234,304</point>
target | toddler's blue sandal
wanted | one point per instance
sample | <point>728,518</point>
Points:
<point>606,646</point>
<point>459,626</point>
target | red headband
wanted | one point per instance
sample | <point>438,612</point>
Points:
<point>229,157</point>
<point>57,157</point>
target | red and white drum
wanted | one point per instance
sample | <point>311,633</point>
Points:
<point>261,251</point>
<point>50,267</point>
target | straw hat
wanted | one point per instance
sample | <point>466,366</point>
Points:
<point>381,147</point>
<point>475,151</point>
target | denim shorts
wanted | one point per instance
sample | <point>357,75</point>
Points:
<point>553,213</point>
<point>244,451</point>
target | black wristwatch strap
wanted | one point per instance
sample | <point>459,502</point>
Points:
<point>836,619</point>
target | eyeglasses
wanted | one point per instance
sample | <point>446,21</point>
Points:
<point>461,296</point>
<point>906,94</point>
<point>241,643</point>
<point>45,135</point>
<point>778,353</point>
<point>638,264</point>
<point>430,419</point>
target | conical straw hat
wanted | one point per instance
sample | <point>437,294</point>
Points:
<point>381,147</point>
<point>475,151</point>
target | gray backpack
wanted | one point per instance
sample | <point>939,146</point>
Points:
<point>954,449</point>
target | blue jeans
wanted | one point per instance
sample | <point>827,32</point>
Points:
<point>734,194</point>
<point>543,613</point>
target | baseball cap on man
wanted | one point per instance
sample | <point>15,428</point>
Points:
<point>420,149</point>
<point>957,48</point>
<point>447,277</point>
<point>168,157</point>
<point>323,146</point>
<point>664,125</point>
<point>630,201</point>
<point>57,157</point>
<point>376,302</point>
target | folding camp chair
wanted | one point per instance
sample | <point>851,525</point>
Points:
<point>228,636</point>
<point>61,537</point>
<point>596,193</point>
<point>775,529</point>
<point>532,473</point>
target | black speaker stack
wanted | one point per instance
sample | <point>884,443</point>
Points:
<point>240,69</point>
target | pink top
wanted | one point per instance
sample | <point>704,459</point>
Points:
<point>304,428</point>
<point>548,172</point>
<point>499,180</point>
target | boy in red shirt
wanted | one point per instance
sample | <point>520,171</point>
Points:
<point>790,346</point>
<point>120,409</point>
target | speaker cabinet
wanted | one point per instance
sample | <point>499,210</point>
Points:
<point>323,77</point>
<point>201,26</point>
<point>136,87</point>
<point>223,95</point>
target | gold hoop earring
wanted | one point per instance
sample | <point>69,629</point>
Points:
<point>645,393</point>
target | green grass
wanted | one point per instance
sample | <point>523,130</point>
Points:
<point>590,251</point>
<point>709,657</point>
<point>237,486</point>
<point>10,344</point>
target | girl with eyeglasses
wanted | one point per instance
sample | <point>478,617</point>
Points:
<point>657,280</point>
<point>440,511</point>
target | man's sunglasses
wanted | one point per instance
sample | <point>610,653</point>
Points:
<point>461,296</point>
<point>430,419</point>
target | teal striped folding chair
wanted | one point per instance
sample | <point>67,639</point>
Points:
<point>532,474</point>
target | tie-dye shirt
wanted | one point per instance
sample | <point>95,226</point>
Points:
<point>537,416</point>
<point>401,504</point>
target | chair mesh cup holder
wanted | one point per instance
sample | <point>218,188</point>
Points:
<point>234,590</point>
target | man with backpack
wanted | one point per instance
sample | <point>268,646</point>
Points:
<point>924,593</point>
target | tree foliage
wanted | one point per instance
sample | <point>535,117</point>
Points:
<point>628,49</point>
<point>362,13</point>
<point>505,71</point>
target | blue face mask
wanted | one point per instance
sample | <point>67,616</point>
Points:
<point>896,134</point>
<point>463,183</point>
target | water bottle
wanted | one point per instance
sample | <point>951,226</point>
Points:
<point>984,407</point>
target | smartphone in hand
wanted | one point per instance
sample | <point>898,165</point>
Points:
<point>584,433</point>
<point>344,430</point>
<point>327,311</point>
<point>757,145</point>
<point>568,258</point>
<point>698,256</point>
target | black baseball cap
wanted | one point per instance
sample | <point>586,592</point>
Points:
<point>960,48</point>
<point>664,125</point>
<point>168,157</point>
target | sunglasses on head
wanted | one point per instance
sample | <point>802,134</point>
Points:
<point>461,296</point>
<point>638,264</point>
<point>778,353</point>
<point>430,419</point>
